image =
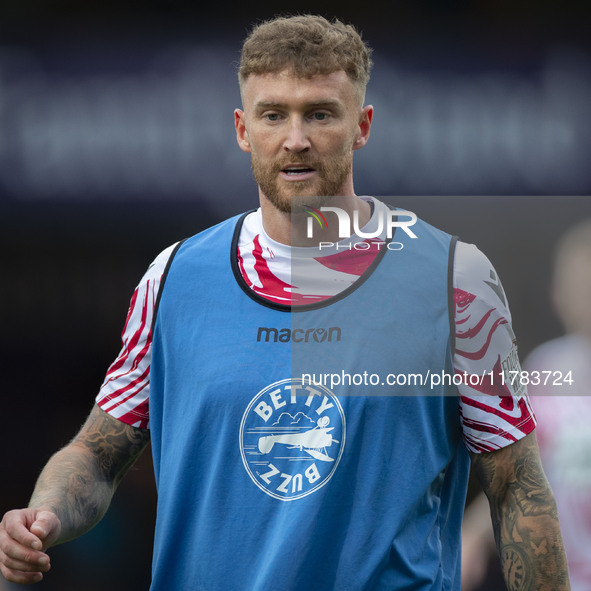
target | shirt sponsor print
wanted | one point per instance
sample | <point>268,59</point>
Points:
<point>292,437</point>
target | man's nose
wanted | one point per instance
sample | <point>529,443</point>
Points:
<point>297,139</point>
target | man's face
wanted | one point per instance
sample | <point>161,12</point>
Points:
<point>301,133</point>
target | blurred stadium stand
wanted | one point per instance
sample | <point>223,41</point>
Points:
<point>115,113</point>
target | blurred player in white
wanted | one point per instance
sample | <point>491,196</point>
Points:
<point>564,411</point>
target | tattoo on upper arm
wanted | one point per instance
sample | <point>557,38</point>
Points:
<point>530,488</point>
<point>516,471</point>
<point>484,467</point>
<point>114,444</point>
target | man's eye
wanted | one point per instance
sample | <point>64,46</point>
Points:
<point>320,116</point>
<point>272,116</point>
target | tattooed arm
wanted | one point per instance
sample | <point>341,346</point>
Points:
<point>72,494</point>
<point>524,517</point>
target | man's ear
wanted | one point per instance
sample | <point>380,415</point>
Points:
<point>365,120</point>
<point>241,133</point>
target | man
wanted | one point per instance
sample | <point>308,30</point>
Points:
<point>267,477</point>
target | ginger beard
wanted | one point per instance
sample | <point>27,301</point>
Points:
<point>290,196</point>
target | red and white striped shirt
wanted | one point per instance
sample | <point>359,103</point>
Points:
<point>493,413</point>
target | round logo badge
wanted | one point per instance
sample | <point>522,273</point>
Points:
<point>292,436</point>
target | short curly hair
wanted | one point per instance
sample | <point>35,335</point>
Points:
<point>308,45</point>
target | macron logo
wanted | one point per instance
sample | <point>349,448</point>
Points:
<point>298,335</point>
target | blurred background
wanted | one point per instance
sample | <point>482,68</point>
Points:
<point>117,139</point>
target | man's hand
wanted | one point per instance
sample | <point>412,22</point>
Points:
<point>72,494</point>
<point>25,534</point>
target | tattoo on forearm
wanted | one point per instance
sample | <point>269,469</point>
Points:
<point>79,481</point>
<point>515,568</point>
<point>525,518</point>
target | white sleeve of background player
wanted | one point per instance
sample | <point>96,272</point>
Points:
<point>494,405</point>
<point>125,392</point>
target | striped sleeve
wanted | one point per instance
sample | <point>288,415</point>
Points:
<point>125,392</point>
<point>495,409</point>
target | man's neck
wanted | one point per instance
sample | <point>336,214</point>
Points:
<point>293,228</point>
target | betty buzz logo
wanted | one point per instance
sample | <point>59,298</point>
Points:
<point>292,436</point>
